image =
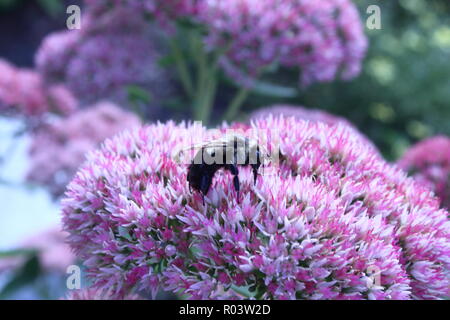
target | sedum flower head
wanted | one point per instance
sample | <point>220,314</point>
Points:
<point>313,115</point>
<point>58,148</point>
<point>331,221</point>
<point>323,38</point>
<point>114,51</point>
<point>429,162</point>
<point>54,54</point>
<point>24,92</point>
<point>298,112</point>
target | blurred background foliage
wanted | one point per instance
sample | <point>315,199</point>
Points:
<point>24,23</point>
<point>403,92</point>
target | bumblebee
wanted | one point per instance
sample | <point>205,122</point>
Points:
<point>227,154</point>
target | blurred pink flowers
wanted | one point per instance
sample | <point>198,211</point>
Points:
<point>316,228</point>
<point>59,147</point>
<point>313,115</point>
<point>96,294</point>
<point>324,39</point>
<point>429,162</point>
<point>23,92</point>
<point>300,113</point>
<point>114,50</point>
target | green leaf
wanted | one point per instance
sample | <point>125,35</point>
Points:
<point>244,291</point>
<point>175,104</point>
<point>28,273</point>
<point>17,252</point>
<point>124,233</point>
<point>52,7</point>
<point>138,94</point>
<point>6,4</point>
<point>274,90</point>
<point>166,61</point>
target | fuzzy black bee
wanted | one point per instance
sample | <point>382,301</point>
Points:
<point>227,154</point>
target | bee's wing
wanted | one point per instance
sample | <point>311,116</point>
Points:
<point>179,152</point>
<point>206,146</point>
<point>216,144</point>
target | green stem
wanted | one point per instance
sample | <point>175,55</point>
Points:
<point>207,77</point>
<point>205,96</point>
<point>201,87</point>
<point>199,56</point>
<point>236,104</point>
<point>182,68</point>
<point>208,99</point>
<point>206,82</point>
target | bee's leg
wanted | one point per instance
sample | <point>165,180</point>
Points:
<point>236,186</point>
<point>235,172</point>
<point>205,184</point>
<point>255,168</point>
<point>255,163</point>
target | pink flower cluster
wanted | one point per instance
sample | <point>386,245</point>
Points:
<point>96,294</point>
<point>158,8</point>
<point>114,50</point>
<point>24,92</point>
<point>166,12</point>
<point>429,162</point>
<point>59,147</point>
<point>300,113</point>
<point>324,38</point>
<point>331,221</point>
<point>314,115</point>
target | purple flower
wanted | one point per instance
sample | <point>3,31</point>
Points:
<point>24,92</point>
<point>116,49</point>
<point>299,112</point>
<point>54,54</point>
<point>324,39</point>
<point>313,115</point>
<point>331,220</point>
<point>429,162</point>
<point>59,147</point>
<point>97,294</point>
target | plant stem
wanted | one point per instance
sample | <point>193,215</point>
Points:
<point>235,104</point>
<point>206,81</point>
<point>182,68</point>
<point>207,101</point>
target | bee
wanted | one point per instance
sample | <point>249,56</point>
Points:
<point>227,153</point>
